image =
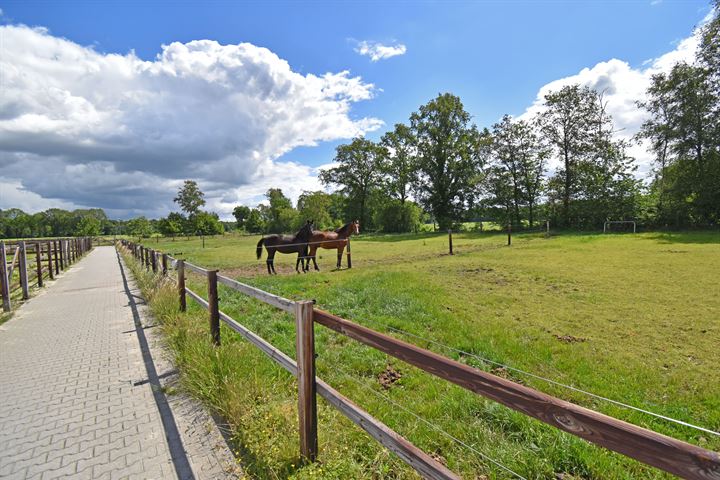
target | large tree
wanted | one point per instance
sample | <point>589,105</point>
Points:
<point>400,161</point>
<point>241,213</point>
<point>518,151</point>
<point>315,206</point>
<point>282,217</point>
<point>173,224</point>
<point>684,134</point>
<point>449,158</point>
<point>190,197</point>
<point>568,124</point>
<point>358,173</point>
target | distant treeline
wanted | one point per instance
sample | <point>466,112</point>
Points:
<point>55,222</point>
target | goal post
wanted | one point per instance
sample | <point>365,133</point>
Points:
<point>607,226</point>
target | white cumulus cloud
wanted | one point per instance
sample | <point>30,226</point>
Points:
<point>377,51</point>
<point>114,131</point>
<point>623,85</point>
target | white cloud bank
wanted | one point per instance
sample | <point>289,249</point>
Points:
<point>79,127</point>
<point>623,86</point>
<point>377,51</point>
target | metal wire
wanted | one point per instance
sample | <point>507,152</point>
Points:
<point>432,425</point>
<point>559,384</point>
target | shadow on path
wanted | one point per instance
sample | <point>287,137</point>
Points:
<point>172,435</point>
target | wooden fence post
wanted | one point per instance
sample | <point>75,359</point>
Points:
<point>164,263</point>
<point>4,279</point>
<point>349,256</point>
<point>38,260</point>
<point>509,232</point>
<point>50,261</point>
<point>450,241</point>
<point>181,284</point>
<point>153,260</point>
<point>22,263</point>
<point>213,307</point>
<point>57,257</point>
<point>307,400</point>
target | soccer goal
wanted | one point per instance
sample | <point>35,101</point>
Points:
<point>619,226</point>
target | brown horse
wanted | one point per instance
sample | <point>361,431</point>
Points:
<point>287,244</point>
<point>330,240</point>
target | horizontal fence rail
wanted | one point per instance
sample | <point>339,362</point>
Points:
<point>416,458</point>
<point>652,448</point>
<point>263,296</point>
<point>28,264</point>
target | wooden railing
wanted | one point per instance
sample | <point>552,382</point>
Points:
<point>51,257</point>
<point>652,448</point>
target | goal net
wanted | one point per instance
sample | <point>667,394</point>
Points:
<point>620,226</point>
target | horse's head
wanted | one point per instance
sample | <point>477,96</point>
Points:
<point>355,227</point>
<point>306,231</point>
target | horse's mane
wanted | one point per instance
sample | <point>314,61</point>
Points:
<point>347,225</point>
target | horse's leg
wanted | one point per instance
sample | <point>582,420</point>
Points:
<point>341,249</point>
<point>270,262</point>
<point>313,251</point>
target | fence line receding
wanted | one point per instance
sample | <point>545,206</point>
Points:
<point>647,446</point>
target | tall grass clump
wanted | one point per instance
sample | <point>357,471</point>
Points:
<point>257,399</point>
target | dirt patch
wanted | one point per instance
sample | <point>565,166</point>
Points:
<point>389,377</point>
<point>438,458</point>
<point>503,372</point>
<point>570,339</point>
<point>477,270</point>
<point>567,476</point>
<point>677,251</point>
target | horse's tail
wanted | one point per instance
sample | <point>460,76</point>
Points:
<point>259,248</point>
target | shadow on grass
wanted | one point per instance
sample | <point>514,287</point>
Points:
<point>401,237</point>
<point>705,237</point>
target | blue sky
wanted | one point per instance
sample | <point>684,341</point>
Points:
<point>495,55</point>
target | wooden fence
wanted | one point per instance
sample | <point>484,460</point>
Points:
<point>24,263</point>
<point>652,448</point>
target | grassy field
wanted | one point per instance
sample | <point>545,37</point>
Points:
<point>629,317</point>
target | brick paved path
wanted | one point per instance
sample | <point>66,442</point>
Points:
<point>79,389</point>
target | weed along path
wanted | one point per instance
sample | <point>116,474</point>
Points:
<point>84,388</point>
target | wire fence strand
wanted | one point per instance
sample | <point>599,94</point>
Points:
<point>559,384</point>
<point>437,428</point>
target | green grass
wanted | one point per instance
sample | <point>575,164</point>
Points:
<point>643,309</point>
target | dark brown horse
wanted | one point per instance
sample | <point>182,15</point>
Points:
<point>330,240</point>
<point>287,244</point>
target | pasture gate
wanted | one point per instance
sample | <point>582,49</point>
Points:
<point>32,260</point>
<point>669,454</point>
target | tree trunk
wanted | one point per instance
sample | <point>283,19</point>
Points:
<point>530,213</point>
<point>566,193</point>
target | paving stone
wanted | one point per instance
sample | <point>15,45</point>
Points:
<point>75,399</point>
